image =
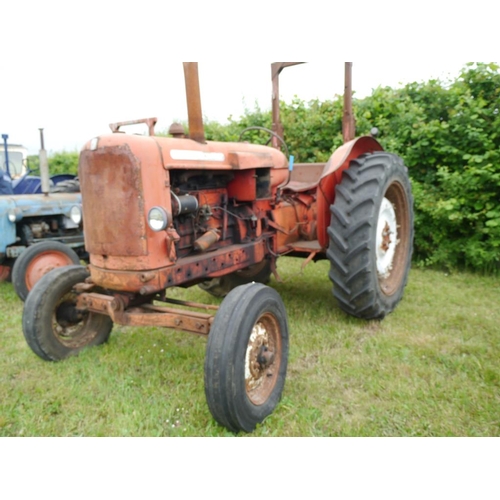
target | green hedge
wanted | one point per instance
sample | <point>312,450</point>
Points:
<point>63,162</point>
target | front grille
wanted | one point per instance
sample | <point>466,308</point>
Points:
<point>113,206</point>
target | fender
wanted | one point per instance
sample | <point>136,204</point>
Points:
<point>332,175</point>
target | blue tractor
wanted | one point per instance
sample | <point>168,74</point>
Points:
<point>40,219</point>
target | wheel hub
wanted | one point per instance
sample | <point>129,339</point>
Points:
<point>387,238</point>
<point>69,323</point>
<point>43,264</point>
<point>265,357</point>
<point>259,358</point>
<point>68,315</point>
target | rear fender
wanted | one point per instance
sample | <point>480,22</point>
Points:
<point>332,175</point>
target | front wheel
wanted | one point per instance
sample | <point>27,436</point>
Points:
<point>36,261</point>
<point>52,325</point>
<point>371,235</point>
<point>246,357</point>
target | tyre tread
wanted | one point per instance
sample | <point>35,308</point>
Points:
<point>226,400</point>
<point>353,222</point>
<point>38,310</point>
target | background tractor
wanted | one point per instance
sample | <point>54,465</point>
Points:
<point>164,212</point>
<point>40,219</point>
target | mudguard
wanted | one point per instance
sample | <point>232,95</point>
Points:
<point>332,175</point>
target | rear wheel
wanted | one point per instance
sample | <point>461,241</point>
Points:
<point>36,261</point>
<point>246,357</point>
<point>52,325</point>
<point>371,235</point>
<point>220,287</point>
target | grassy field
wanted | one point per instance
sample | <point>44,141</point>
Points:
<point>429,369</point>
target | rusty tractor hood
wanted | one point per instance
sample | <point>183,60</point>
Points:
<point>189,154</point>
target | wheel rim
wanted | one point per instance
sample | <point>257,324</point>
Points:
<point>393,233</point>
<point>69,325</point>
<point>42,264</point>
<point>387,238</point>
<point>262,359</point>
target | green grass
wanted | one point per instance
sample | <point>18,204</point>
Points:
<point>431,368</point>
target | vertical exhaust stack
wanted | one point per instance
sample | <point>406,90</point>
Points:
<point>6,154</point>
<point>195,117</point>
<point>44,166</point>
<point>348,124</point>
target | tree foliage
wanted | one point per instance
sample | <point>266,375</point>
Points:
<point>448,135</point>
<point>62,162</point>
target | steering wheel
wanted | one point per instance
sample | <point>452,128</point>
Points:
<point>274,134</point>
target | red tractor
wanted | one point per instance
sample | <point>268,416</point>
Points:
<point>180,211</point>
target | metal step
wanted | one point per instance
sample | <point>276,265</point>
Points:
<point>306,246</point>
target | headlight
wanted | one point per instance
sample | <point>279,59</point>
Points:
<point>14,215</point>
<point>158,219</point>
<point>75,214</point>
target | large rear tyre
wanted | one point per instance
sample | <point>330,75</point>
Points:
<point>220,287</point>
<point>36,261</point>
<point>371,235</point>
<point>52,326</point>
<point>246,357</point>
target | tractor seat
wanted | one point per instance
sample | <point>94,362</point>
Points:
<point>305,176</point>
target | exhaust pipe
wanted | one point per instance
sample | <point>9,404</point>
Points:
<point>195,117</point>
<point>6,154</point>
<point>348,122</point>
<point>44,166</point>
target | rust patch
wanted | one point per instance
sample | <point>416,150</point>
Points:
<point>111,178</point>
<point>189,269</point>
<point>386,238</point>
<point>146,315</point>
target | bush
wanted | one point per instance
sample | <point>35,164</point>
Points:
<point>455,162</point>
<point>64,163</point>
<point>59,163</point>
